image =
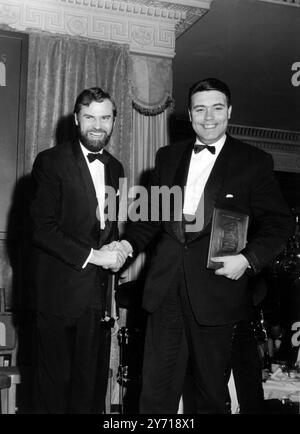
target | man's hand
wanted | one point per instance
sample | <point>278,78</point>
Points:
<point>108,257</point>
<point>233,266</point>
<point>112,256</point>
<point>123,249</point>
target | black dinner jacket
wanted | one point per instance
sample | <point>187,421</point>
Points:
<point>66,228</point>
<point>242,179</point>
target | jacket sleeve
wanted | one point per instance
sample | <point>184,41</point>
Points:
<point>271,222</point>
<point>45,209</point>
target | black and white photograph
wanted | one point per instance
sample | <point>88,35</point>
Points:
<point>149,210</point>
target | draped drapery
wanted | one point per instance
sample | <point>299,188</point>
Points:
<point>151,84</point>
<point>59,68</point>
<point>151,88</point>
<point>149,134</point>
<point>151,131</point>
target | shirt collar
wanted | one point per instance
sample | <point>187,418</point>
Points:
<point>86,151</point>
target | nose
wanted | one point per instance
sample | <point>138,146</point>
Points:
<point>98,123</point>
<point>208,113</point>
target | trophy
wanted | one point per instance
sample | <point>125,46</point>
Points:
<point>228,235</point>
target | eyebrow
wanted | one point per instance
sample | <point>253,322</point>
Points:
<point>214,105</point>
<point>93,116</point>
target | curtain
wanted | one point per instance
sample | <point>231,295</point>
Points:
<point>151,83</point>
<point>59,68</point>
<point>149,134</point>
<point>151,88</point>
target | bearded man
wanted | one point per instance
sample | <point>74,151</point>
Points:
<point>70,265</point>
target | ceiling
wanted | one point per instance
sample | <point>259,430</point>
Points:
<point>251,45</point>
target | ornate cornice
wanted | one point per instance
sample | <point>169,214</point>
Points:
<point>266,135</point>
<point>149,27</point>
<point>284,145</point>
<point>284,2</point>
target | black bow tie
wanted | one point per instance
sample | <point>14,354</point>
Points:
<point>198,148</point>
<point>97,156</point>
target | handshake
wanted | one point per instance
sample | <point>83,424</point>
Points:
<point>111,256</point>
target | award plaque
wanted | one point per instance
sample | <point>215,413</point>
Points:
<point>228,235</point>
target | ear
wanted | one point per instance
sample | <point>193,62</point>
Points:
<point>229,111</point>
<point>190,117</point>
<point>75,119</point>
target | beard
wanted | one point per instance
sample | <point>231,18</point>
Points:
<point>93,144</point>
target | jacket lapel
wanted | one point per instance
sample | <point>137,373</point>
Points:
<point>215,182</point>
<point>111,185</point>
<point>180,179</point>
<point>87,181</point>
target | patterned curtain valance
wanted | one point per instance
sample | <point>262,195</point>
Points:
<point>151,84</point>
<point>154,111</point>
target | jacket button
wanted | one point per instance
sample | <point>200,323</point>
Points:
<point>186,247</point>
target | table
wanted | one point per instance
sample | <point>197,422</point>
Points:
<point>282,387</point>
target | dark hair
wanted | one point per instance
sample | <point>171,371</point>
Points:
<point>87,96</point>
<point>210,84</point>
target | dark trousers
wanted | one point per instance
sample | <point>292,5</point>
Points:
<point>72,363</point>
<point>247,370</point>
<point>174,338</point>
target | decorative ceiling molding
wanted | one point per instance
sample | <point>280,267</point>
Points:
<point>295,3</point>
<point>148,27</point>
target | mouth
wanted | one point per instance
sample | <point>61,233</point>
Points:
<point>97,135</point>
<point>209,126</point>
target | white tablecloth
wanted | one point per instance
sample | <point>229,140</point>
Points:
<point>283,388</point>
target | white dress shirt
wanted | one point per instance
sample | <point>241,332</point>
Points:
<point>96,169</point>
<point>201,165</point>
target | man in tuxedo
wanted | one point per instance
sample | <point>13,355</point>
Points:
<point>194,311</point>
<point>71,273</point>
